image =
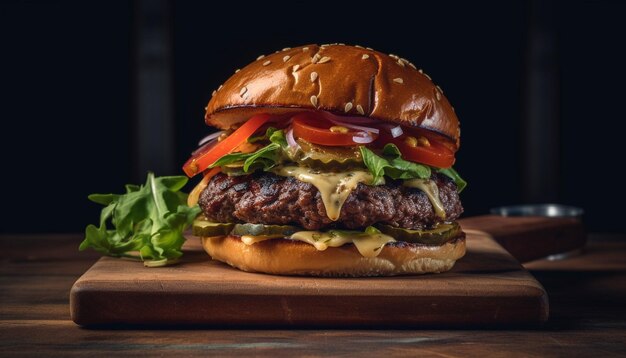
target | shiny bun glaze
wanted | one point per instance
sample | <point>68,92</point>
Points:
<point>346,80</point>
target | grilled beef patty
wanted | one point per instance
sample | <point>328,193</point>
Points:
<point>266,198</point>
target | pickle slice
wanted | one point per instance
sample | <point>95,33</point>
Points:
<point>264,230</point>
<point>313,155</point>
<point>202,227</point>
<point>234,169</point>
<point>437,236</point>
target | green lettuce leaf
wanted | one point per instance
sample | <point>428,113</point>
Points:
<point>452,174</point>
<point>392,165</point>
<point>147,221</point>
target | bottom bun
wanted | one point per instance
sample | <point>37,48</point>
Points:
<point>290,257</point>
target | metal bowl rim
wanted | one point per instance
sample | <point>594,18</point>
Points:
<point>546,210</point>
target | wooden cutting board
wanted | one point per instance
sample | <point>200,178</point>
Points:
<point>487,286</point>
<point>529,238</point>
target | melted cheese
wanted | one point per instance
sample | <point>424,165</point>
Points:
<point>249,239</point>
<point>334,187</point>
<point>430,189</point>
<point>193,197</point>
<point>369,245</point>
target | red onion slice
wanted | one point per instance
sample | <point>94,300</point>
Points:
<point>204,146</point>
<point>363,138</point>
<point>396,131</point>
<point>291,140</point>
<point>210,137</point>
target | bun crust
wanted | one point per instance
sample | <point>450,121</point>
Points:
<point>287,257</point>
<point>346,80</point>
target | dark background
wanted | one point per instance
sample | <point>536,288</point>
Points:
<point>95,93</point>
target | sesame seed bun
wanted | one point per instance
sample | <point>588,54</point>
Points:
<point>290,257</point>
<point>347,80</point>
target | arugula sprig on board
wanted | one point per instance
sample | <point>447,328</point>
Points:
<point>147,221</point>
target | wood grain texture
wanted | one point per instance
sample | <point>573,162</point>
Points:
<point>529,238</point>
<point>587,315</point>
<point>487,286</point>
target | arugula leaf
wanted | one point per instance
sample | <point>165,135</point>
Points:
<point>264,158</point>
<point>148,220</point>
<point>392,165</point>
<point>452,174</point>
<point>277,136</point>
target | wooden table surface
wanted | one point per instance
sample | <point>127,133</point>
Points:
<point>587,315</point>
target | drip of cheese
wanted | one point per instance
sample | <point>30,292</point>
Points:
<point>193,197</point>
<point>249,239</point>
<point>369,245</point>
<point>333,187</point>
<point>430,189</point>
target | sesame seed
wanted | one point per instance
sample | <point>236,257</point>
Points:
<point>412,65</point>
<point>286,58</point>
<point>401,63</point>
<point>243,91</point>
<point>420,71</point>
<point>315,58</point>
<point>369,48</point>
<point>398,80</point>
<point>305,48</point>
<point>365,57</point>
<point>325,45</point>
<point>287,48</point>
<point>348,107</point>
<point>438,95</point>
<point>340,44</point>
<point>394,56</point>
<point>267,62</point>
<point>324,59</point>
<point>314,100</point>
<point>295,68</point>
<point>237,70</point>
<point>205,108</point>
<point>213,93</point>
<point>359,109</point>
<point>439,88</point>
<point>260,57</point>
<point>358,46</point>
<point>220,87</point>
<point>313,76</point>
<point>427,76</point>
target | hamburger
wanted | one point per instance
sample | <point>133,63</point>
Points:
<point>331,160</point>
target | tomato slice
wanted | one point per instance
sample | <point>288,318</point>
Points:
<point>437,154</point>
<point>315,130</point>
<point>203,159</point>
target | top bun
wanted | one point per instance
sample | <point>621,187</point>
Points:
<point>347,80</point>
